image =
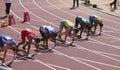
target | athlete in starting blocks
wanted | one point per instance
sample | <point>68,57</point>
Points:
<point>27,35</point>
<point>47,32</point>
<point>6,42</point>
<point>69,28</point>
<point>84,24</point>
<point>95,21</point>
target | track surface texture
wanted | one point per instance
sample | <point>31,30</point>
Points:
<point>98,53</point>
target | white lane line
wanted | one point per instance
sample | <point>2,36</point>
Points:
<point>45,10</point>
<point>77,60</point>
<point>58,66</point>
<point>111,31</point>
<point>97,53</point>
<point>60,9</point>
<point>14,29</point>
<point>110,38</point>
<point>115,41</point>
<point>36,60</point>
<point>111,54</point>
<point>96,62</point>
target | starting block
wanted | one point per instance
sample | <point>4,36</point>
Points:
<point>65,44</point>
<point>11,20</point>
<point>25,57</point>
<point>47,50</point>
<point>26,17</point>
<point>5,67</point>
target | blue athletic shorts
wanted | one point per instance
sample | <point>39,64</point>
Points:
<point>10,42</point>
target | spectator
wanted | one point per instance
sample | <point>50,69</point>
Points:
<point>114,2</point>
<point>77,2</point>
<point>8,6</point>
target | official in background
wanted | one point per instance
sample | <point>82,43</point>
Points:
<point>8,6</point>
<point>77,2</point>
<point>114,2</point>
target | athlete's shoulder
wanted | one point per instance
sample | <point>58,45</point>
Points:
<point>3,36</point>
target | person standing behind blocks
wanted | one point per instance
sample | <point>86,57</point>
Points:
<point>8,6</point>
<point>114,2</point>
<point>77,2</point>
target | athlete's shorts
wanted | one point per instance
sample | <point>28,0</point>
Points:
<point>24,33</point>
<point>62,25</point>
<point>91,19</point>
<point>44,34</point>
<point>10,42</point>
<point>54,34</point>
<point>1,44</point>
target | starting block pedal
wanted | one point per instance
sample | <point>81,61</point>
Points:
<point>65,44</point>
<point>46,50</point>
<point>25,57</point>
